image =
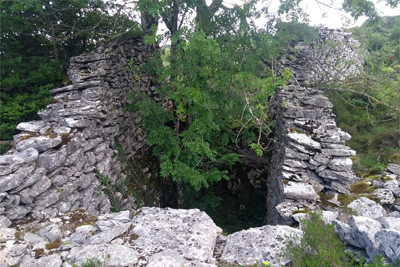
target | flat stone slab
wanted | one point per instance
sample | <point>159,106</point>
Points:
<point>262,244</point>
<point>304,140</point>
<point>367,208</point>
<point>191,233</point>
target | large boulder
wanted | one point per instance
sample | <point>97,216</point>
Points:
<point>367,208</point>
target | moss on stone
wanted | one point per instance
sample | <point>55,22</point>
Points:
<point>305,210</point>
<point>371,177</point>
<point>285,181</point>
<point>38,252</point>
<point>395,158</point>
<point>345,200</point>
<point>359,188</point>
<point>52,245</point>
<point>295,130</point>
<point>371,189</point>
<point>324,200</point>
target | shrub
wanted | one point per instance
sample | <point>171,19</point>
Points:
<point>321,246</point>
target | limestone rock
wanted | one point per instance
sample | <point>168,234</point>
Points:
<point>191,233</point>
<point>254,245</point>
<point>364,230</point>
<point>393,168</point>
<point>40,143</point>
<point>367,208</point>
<point>341,164</point>
<point>295,190</point>
<point>51,232</point>
<point>384,195</point>
<point>115,255</point>
<point>388,241</point>
<point>393,186</point>
<point>304,140</point>
<point>32,126</point>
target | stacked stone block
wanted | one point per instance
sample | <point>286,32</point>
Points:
<point>315,157</point>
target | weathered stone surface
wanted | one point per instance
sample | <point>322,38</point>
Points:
<point>385,196</point>
<point>390,223</point>
<point>364,230</point>
<point>40,143</point>
<point>345,234</point>
<point>254,245</point>
<point>48,261</point>
<point>304,140</point>
<point>327,216</point>
<point>27,195</point>
<point>116,255</point>
<point>50,161</point>
<point>389,242</point>
<point>109,235</point>
<point>17,212</point>
<point>7,234</point>
<point>343,176</point>
<point>32,126</point>
<point>339,152</point>
<point>290,153</point>
<point>4,222</point>
<point>367,208</point>
<point>191,233</point>
<point>393,186</point>
<point>341,164</point>
<point>393,168</point>
<point>51,232</point>
<point>297,190</point>
<point>34,238</point>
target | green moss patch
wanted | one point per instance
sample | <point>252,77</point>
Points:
<point>359,188</point>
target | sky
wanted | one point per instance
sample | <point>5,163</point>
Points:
<point>328,17</point>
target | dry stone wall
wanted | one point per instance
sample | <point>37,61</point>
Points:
<point>310,155</point>
<point>54,164</point>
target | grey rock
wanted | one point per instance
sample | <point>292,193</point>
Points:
<point>389,242</point>
<point>363,229</point>
<point>341,164</point>
<point>344,232</point>
<point>342,176</point>
<point>17,212</point>
<point>17,250</point>
<point>169,258</point>
<point>393,186</point>
<point>30,180</point>
<point>32,126</point>
<point>4,222</point>
<point>367,208</point>
<point>384,195</point>
<point>48,261</point>
<point>394,214</point>
<point>295,190</point>
<point>51,160</point>
<point>51,232</point>
<point>304,140</point>
<point>40,143</point>
<point>339,152</point>
<point>393,168</point>
<point>321,159</point>
<point>34,239</point>
<point>109,235</point>
<point>248,247</point>
<point>290,153</point>
<point>113,255</point>
<point>327,217</point>
<point>342,188</point>
<point>38,188</point>
<point>7,234</point>
<point>13,180</point>
<point>191,233</point>
<point>82,234</point>
<point>295,163</point>
<point>111,220</point>
<point>390,223</point>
